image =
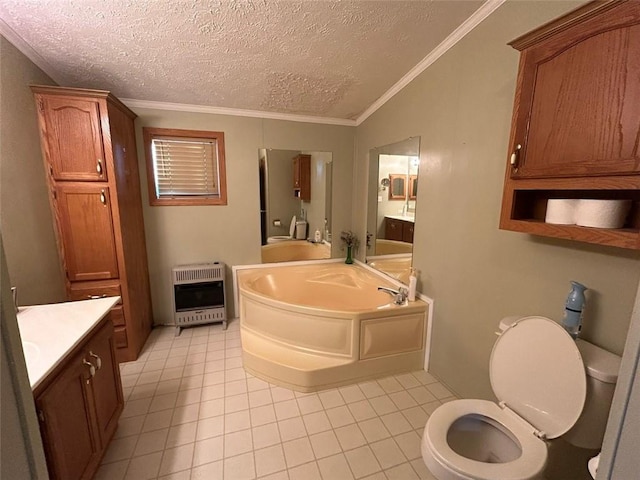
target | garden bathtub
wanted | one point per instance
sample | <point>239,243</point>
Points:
<point>310,327</point>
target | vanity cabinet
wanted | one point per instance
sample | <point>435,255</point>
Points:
<point>89,150</point>
<point>400,230</point>
<point>79,405</point>
<point>302,177</point>
<point>575,125</point>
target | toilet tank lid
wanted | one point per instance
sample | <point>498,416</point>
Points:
<point>599,363</point>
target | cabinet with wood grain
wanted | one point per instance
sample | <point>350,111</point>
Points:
<point>89,150</point>
<point>79,405</point>
<point>302,177</point>
<point>575,128</point>
<point>399,230</point>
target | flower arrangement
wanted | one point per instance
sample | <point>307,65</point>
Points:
<point>351,241</point>
<point>349,238</point>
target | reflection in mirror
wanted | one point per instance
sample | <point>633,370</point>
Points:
<point>391,207</point>
<point>413,187</point>
<point>398,188</point>
<point>295,205</point>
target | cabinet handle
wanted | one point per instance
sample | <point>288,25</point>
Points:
<point>99,167</point>
<point>94,297</point>
<point>103,198</point>
<point>98,360</point>
<point>92,369</point>
<point>515,155</point>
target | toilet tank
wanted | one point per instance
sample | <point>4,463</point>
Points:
<point>602,374</point>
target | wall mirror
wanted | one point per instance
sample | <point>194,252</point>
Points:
<point>295,204</point>
<point>391,207</point>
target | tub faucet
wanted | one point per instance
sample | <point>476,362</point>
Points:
<point>399,296</point>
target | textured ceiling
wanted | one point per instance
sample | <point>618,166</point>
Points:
<point>320,58</point>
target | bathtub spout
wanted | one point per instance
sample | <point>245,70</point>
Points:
<point>399,296</point>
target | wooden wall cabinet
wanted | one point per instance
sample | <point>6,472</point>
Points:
<point>399,230</point>
<point>89,149</point>
<point>575,125</point>
<point>397,186</point>
<point>302,177</point>
<point>79,405</point>
<point>413,187</point>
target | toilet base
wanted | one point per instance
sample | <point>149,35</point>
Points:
<point>567,462</point>
<point>442,473</point>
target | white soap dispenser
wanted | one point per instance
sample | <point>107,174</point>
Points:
<point>317,238</point>
<point>413,282</point>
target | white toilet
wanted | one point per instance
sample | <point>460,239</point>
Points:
<point>538,374</point>
<point>285,238</point>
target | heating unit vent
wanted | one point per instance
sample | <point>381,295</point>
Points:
<point>198,273</point>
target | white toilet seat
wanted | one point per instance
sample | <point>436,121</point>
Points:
<point>528,466</point>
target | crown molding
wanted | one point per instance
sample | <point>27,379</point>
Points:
<point>458,34</point>
<point>183,107</point>
<point>17,41</point>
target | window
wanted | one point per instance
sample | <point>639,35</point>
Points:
<point>185,167</point>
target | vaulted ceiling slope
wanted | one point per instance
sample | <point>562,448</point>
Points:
<point>317,58</point>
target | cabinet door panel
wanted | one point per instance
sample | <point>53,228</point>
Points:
<point>86,228</point>
<point>72,450</point>
<point>73,139</point>
<point>407,232</point>
<point>393,229</point>
<point>579,103</point>
<point>107,387</point>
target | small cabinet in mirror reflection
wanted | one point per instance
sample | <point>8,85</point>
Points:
<point>413,187</point>
<point>398,186</point>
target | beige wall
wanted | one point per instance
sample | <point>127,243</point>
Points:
<point>461,108</point>
<point>231,234</point>
<point>25,217</point>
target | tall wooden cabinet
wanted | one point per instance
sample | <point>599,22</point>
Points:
<point>575,130</point>
<point>89,150</point>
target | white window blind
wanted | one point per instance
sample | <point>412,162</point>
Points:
<point>185,167</point>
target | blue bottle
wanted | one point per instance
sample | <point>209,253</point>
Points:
<point>573,307</point>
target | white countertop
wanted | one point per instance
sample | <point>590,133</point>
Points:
<point>50,332</point>
<point>404,218</point>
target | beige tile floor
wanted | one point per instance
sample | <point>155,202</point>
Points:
<point>192,412</point>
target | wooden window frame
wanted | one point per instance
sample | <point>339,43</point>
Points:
<point>150,133</point>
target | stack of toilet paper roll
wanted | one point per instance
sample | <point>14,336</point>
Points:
<point>587,212</point>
